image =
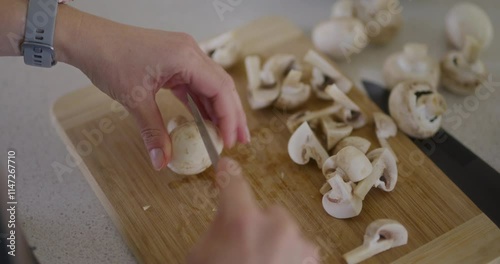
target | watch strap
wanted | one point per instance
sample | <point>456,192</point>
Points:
<point>38,45</point>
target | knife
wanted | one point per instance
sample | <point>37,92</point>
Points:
<point>202,128</point>
<point>479,181</point>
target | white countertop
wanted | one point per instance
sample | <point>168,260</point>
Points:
<point>63,218</point>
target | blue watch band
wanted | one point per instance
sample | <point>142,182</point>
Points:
<point>38,45</point>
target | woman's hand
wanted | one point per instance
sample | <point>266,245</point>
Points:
<point>131,64</point>
<point>245,234</point>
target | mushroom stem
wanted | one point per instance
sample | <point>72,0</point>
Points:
<point>366,251</point>
<point>434,104</point>
<point>252,65</point>
<point>297,119</point>
<point>383,143</point>
<point>365,185</point>
<point>471,49</point>
<point>325,188</point>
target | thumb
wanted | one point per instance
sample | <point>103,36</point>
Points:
<point>153,132</point>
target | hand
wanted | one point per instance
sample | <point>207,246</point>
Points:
<point>243,233</point>
<point>131,64</point>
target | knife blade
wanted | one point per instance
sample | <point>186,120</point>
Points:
<point>479,181</point>
<point>202,128</point>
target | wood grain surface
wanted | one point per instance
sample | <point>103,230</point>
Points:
<point>444,226</point>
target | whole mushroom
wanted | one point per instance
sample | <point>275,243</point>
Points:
<point>339,37</point>
<point>380,235</point>
<point>413,63</point>
<point>462,71</point>
<point>417,108</point>
<point>381,18</point>
<point>467,19</point>
<point>189,155</point>
<point>342,8</point>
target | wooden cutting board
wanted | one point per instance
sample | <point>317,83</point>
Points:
<point>444,226</point>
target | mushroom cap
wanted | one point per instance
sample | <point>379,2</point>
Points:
<point>334,131</point>
<point>304,145</point>
<point>293,92</point>
<point>339,202</point>
<point>386,127</point>
<point>360,143</point>
<point>460,75</point>
<point>342,8</point>
<point>468,19</point>
<point>389,176</point>
<point>389,24</point>
<point>413,63</point>
<point>353,163</point>
<point>413,113</point>
<point>189,155</point>
<point>338,36</point>
<point>386,229</point>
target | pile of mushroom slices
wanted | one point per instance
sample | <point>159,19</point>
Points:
<point>278,82</point>
<point>224,50</point>
<point>355,23</point>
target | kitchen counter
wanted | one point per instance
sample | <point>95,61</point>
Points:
<point>61,215</point>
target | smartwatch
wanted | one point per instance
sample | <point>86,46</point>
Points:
<point>38,45</point>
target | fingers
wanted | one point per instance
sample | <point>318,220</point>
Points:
<point>153,132</point>
<point>235,194</point>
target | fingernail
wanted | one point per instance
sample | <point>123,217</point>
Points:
<point>157,158</point>
<point>249,138</point>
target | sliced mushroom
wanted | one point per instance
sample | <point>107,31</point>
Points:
<point>324,74</point>
<point>224,49</point>
<point>189,155</point>
<point>340,202</point>
<point>385,128</point>
<point>380,235</point>
<point>304,145</point>
<point>416,108</point>
<point>382,23</point>
<point>342,8</point>
<point>360,143</point>
<point>258,96</point>
<point>338,36</point>
<point>463,72</point>
<point>293,92</point>
<point>350,163</point>
<point>298,118</point>
<point>334,131</point>
<point>351,113</point>
<point>468,19</point>
<point>384,174</point>
<point>413,63</point>
<point>277,67</point>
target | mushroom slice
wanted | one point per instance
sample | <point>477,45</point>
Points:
<point>258,97</point>
<point>350,163</point>
<point>339,202</point>
<point>463,72</point>
<point>416,108</point>
<point>340,37</point>
<point>374,10</point>
<point>360,143</point>
<point>385,128</point>
<point>334,131</point>
<point>304,145</point>
<point>468,19</point>
<point>189,155</point>
<point>277,67</point>
<point>224,49</point>
<point>298,118</point>
<point>293,92</point>
<point>413,63</point>
<point>324,74</point>
<point>380,235</point>
<point>351,113</point>
<point>384,174</point>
